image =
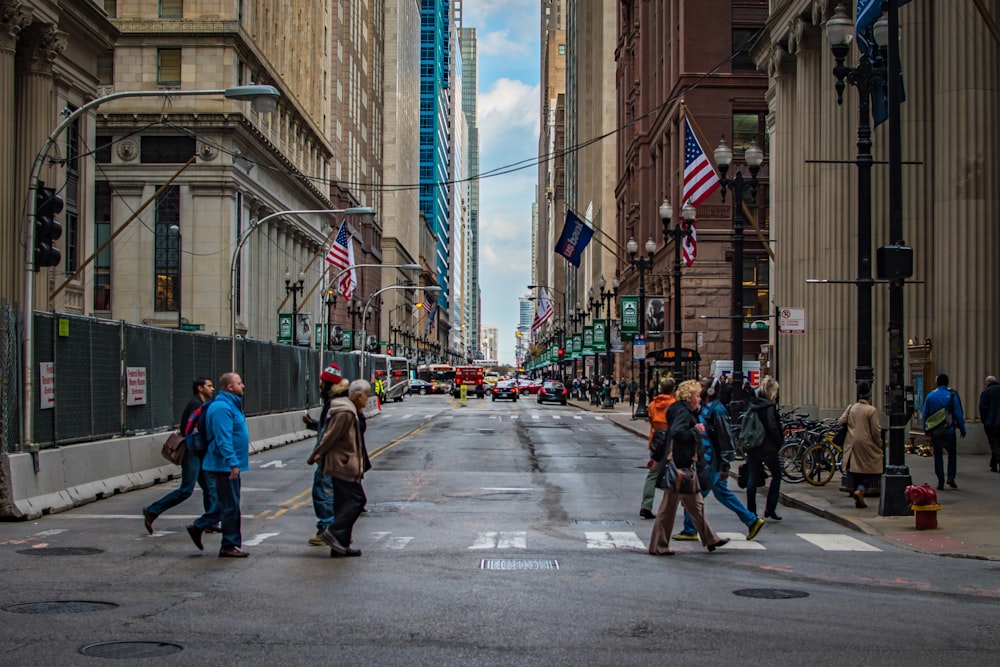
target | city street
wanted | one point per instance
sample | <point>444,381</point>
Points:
<point>497,533</point>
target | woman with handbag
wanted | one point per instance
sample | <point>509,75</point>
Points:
<point>862,444</point>
<point>679,477</point>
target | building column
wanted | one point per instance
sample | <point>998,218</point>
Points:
<point>36,114</point>
<point>14,17</point>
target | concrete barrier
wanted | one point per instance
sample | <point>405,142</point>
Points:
<point>57,479</point>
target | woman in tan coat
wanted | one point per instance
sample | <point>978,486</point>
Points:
<point>863,445</point>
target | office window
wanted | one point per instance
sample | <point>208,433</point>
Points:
<point>748,126</point>
<point>755,288</point>
<point>742,40</point>
<point>562,49</point>
<point>171,9</point>
<point>160,149</point>
<point>111,7</point>
<point>102,149</point>
<point>166,250</point>
<point>102,230</point>
<point>106,68</point>
<point>168,67</point>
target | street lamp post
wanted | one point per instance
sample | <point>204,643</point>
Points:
<point>354,311</point>
<point>606,296</point>
<point>365,314</point>
<point>176,230</point>
<point>678,233</point>
<point>754,157</point>
<point>295,288</point>
<point>331,304</point>
<point>263,99</point>
<point>642,264</point>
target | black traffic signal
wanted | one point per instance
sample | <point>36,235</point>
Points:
<point>560,352</point>
<point>47,229</point>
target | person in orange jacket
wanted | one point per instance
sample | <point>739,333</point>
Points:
<point>657,420</point>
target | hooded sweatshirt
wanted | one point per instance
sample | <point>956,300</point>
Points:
<point>658,414</point>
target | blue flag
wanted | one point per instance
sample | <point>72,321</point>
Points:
<point>868,13</point>
<point>575,237</point>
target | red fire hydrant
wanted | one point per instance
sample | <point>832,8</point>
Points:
<point>924,503</point>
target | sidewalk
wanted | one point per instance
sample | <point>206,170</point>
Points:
<point>968,523</point>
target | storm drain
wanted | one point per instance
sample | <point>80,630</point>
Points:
<point>59,607</point>
<point>511,564</point>
<point>62,551</point>
<point>130,650</point>
<point>602,522</point>
<point>771,593</point>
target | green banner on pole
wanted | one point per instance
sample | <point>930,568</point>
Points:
<point>630,314</point>
<point>600,329</point>
<point>348,341</point>
<point>577,344</point>
<point>285,328</point>
<point>588,339</point>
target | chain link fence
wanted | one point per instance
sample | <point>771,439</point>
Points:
<point>89,362</point>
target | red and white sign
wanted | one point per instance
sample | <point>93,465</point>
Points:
<point>135,385</point>
<point>792,321</point>
<point>46,385</point>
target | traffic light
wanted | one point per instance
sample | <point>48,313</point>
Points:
<point>389,351</point>
<point>47,229</point>
<point>560,352</point>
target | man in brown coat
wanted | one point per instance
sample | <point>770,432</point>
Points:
<point>341,452</point>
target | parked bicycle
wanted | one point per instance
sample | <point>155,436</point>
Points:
<point>823,459</point>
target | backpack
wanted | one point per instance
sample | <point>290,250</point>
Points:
<point>751,431</point>
<point>721,433</point>
<point>196,432</point>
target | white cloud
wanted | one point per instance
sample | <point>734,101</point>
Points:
<point>498,44</point>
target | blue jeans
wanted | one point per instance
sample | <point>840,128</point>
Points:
<point>946,442</point>
<point>322,497</point>
<point>726,498</point>
<point>228,510</point>
<point>191,472</point>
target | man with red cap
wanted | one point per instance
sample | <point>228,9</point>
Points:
<point>332,385</point>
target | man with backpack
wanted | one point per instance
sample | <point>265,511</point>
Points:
<point>228,455</point>
<point>191,471</point>
<point>942,415</point>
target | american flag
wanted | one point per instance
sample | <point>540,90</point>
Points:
<point>349,280</point>
<point>700,179</point>
<point>689,246</point>
<point>543,312</point>
<point>430,317</point>
<point>340,257</point>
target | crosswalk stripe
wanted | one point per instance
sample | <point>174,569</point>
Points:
<point>836,542</point>
<point>501,540</point>
<point>389,540</point>
<point>739,541</point>
<point>258,538</point>
<point>556,417</point>
<point>535,416</point>
<point>577,417</point>
<point>599,418</point>
<point>606,540</point>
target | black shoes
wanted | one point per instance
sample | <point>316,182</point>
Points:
<point>940,486</point>
<point>646,514</point>
<point>195,533</point>
<point>147,519</point>
<point>232,552</point>
<point>772,515</point>
<point>348,553</point>
<point>951,483</point>
<point>217,528</point>
<point>721,543</point>
<point>859,499</point>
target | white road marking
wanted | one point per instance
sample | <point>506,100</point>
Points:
<point>605,540</point>
<point>836,542</point>
<point>599,418</point>
<point>258,538</point>
<point>535,415</point>
<point>390,541</point>
<point>501,540</point>
<point>277,463</point>
<point>577,417</point>
<point>513,416</point>
<point>556,417</point>
<point>47,533</point>
<point>739,541</point>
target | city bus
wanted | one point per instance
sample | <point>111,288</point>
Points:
<point>441,376</point>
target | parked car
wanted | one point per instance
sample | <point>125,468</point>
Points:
<point>529,386</point>
<point>553,392</point>
<point>421,387</point>
<point>505,389</point>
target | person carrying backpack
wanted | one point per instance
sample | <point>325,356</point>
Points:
<point>942,415</point>
<point>191,471</point>
<point>763,451</point>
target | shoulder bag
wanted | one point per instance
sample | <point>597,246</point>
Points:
<point>840,437</point>
<point>680,480</point>
<point>174,448</point>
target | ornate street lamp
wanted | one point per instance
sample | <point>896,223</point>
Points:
<point>678,233</point>
<point>642,264</point>
<point>606,296</point>
<point>754,157</point>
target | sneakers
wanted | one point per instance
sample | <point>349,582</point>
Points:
<point>646,514</point>
<point>317,539</point>
<point>685,537</point>
<point>755,528</point>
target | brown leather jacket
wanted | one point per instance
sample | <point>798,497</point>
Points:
<point>341,448</point>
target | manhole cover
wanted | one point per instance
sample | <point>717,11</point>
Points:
<point>770,593</point>
<point>602,522</point>
<point>130,650</point>
<point>59,607</point>
<point>518,564</point>
<point>62,551</point>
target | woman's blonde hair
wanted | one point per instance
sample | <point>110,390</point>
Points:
<point>687,389</point>
<point>768,388</point>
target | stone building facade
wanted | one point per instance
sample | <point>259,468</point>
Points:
<point>951,152</point>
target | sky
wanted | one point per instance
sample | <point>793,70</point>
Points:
<point>509,63</point>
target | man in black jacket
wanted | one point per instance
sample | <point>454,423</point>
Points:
<point>989,412</point>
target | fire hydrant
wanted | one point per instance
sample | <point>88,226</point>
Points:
<point>924,503</point>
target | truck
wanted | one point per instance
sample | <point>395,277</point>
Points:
<point>471,377</point>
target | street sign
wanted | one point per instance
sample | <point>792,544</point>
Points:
<point>188,326</point>
<point>792,320</point>
<point>639,348</point>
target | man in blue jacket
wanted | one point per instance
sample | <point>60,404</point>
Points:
<point>228,454</point>
<point>989,412</point>
<point>942,415</point>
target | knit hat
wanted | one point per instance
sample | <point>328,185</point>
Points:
<point>331,374</point>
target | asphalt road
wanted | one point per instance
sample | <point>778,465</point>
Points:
<point>497,534</point>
